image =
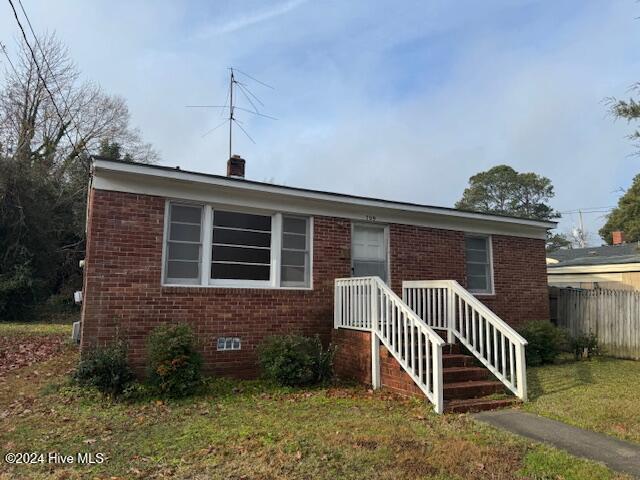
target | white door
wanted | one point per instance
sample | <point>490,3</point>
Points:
<point>369,252</point>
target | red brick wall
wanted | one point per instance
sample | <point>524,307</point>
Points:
<point>122,290</point>
<point>520,276</point>
<point>520,271</point>
<point>353,362</point>
<point>353,355</point>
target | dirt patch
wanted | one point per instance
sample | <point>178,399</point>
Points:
<point>17,351</point>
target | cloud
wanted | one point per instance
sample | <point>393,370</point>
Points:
<point>403,100</point>
<point>246,20</point>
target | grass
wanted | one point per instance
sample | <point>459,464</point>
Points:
<point>15,329</point>
<point>601,395</point>
<point>250,429</point>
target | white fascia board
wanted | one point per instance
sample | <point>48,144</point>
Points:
<point>132,178</point>
<point>583,269</point>
<point>583,278</point>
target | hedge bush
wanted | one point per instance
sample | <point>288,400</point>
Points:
<point>174,365</point>
<point>585,346</point>
<point>105,368</point>
<point>545,342</point>
<point>294,360</point>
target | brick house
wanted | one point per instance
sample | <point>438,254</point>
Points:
<point>240,260</point>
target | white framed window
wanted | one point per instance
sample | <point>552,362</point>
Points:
<point>479,260</point>
<point>228,343</point>
<point>236,248</point>
<point>240,247</point>
<point>295,257</point>
<point>183,252</point>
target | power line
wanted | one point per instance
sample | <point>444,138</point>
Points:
<point>41,78</point>
<point>46,61</point>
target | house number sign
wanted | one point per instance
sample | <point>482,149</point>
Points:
<point>370,218</point>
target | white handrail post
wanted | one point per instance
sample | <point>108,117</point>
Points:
<point>450,312</point>
<point>375,342</point>
<point>521,369</point>
<point>335,304</point>
<point>437,379</point>
<point>375,361</point>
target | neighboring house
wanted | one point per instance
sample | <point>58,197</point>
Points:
<point>614,266</point>
<point>241,260</point>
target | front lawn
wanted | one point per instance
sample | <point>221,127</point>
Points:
<point>254,430</point>
<point>601,395</point>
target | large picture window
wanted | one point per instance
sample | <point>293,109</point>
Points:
<point>479,268</point>
<point>208,246</point>
<point>241,246</point>
<point>184,243</point>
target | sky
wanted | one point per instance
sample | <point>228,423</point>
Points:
<point>391,99</point>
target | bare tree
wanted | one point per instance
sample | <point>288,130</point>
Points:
<point>50,122</point>
<point>48,115</point>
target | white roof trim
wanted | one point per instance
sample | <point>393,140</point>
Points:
<point>603,268</point>
<point>170,183</point>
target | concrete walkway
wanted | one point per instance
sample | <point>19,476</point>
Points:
<point>616,454</point>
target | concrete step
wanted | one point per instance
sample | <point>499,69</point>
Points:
<point>472,389</point>
<point>478,404</point>
<point>464,374</point>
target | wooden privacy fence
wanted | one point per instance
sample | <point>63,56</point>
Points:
<point>613,315</point>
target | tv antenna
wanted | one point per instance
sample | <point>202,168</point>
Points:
<point>230,105</point>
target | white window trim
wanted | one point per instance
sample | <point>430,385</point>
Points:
<point>492,290</point>
<point>308,248</point>
<point>165,245</point>
<point>206,234</point>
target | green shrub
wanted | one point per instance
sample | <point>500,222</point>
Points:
<point>105,368</point>
<point>174,364</point>
<point>545,342</point>
<point>294,360</point>
<point>585,346</point>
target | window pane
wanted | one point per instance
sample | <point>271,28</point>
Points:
<point>233,271</point>
<point>244,255</point>
<point>478,283</point>
<point>236,237</point>
<point>476,243</point>
<point>477,269</point>
<point>294,225</point>
<point>184,213</point>
<point>293,274</point>
<point>185,233</point>
<point>242,220</point>
<point>293,258</point>
<point>294,241</point>
<point>364,268</point>
<point>476,256</point>
<point>184,251</point>
<point>182,269</point>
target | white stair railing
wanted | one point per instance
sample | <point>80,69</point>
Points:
<point>367,303</point>
<point>445,304</point>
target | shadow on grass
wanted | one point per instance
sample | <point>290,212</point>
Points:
<point>550,379</point>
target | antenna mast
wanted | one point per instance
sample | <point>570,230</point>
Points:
<point>249,96</point>
<point>231,82</point>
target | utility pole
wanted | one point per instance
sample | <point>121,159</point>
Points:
<point>583,240</point>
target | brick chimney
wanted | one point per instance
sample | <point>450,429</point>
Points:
<point>235,167</point>
<point>617,237</point>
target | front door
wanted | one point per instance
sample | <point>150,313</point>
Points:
<point>369,252</point>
